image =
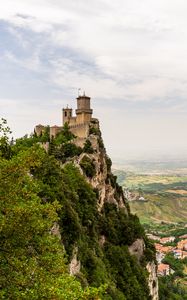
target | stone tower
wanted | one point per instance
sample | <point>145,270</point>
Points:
<point>39,129</point>
<point>66,115</point>
<point>83,111</point>
<point>79,124</point>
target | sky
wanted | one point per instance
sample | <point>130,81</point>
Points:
<point>129,56</point>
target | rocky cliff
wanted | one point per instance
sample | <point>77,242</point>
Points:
<point>105,244</point>
<point>103,179</point>
<point>95,166</point>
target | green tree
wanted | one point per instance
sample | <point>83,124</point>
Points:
<point>32,259</point>
<point>88,166</point>
<point>64,136</point>
<point>88,147</point>
<point>5,149</point>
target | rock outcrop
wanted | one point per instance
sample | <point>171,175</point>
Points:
<point>103,180</point>
<point>75,265</point>
<point>109,192</point>
<point>137,248</point>
<point>153,280</point>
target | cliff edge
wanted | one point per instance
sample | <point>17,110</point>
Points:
<point>104,242</point>
<point>110,193</point>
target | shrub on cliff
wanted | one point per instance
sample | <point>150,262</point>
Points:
<point>88,166</point>
<point>88,147</point>
<point>5,149</point>
<point>94,130</point>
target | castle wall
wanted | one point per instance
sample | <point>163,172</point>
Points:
<point>72,121</point>
<point>80,130</point>
<point>54,130</point>
<point>39,129</point>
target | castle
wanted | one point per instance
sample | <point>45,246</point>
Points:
<point>79,124</point>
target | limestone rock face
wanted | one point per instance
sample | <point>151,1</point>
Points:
<point>153,280</point>
<point>108,191</point>
<point>75,265</point>
<point>137,248</point>
<point>103,180</point>
<point>55,230</point>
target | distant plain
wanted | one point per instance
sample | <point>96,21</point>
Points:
<point>163,185</point>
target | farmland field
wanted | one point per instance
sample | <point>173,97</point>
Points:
<point>165,196</point>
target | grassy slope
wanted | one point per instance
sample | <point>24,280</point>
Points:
<point>166,207</point>
<point>166,202</point>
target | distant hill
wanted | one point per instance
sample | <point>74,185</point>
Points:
<point>161,166</point>
<point>165,196</point>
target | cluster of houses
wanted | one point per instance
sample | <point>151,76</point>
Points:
<point>179,251</point>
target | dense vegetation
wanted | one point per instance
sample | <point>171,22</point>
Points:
<point>32,260</point>
<point>38,191</point>
<point>164,229</point>
<point>175,283</point>
<point>170,288</point>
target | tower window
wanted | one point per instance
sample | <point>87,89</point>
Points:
<point>65,114</point>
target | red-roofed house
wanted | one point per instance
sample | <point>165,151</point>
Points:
<point>167,239</point>
<point>163,270</point>
<point>182,245</point>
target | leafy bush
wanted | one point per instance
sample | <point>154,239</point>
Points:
<point>88,167</point>
<point>176,264</point>
<point>88,147</point>
<point>169,289</point>
<point>62,146</point>
<point>119,228</point>
<point>113,179</point>
<point>100,143</point>
<point>108,163</point>
<point>127,274</point>
<point>95,131</point>
<point>45,136</point>
<point>70,150</point>
<point>64,136</point>
<point>5,148</point>
<point>150,251</point>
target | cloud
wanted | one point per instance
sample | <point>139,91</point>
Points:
<point>32,63</point>
<point>129,47</point>
<point>130,56</point>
